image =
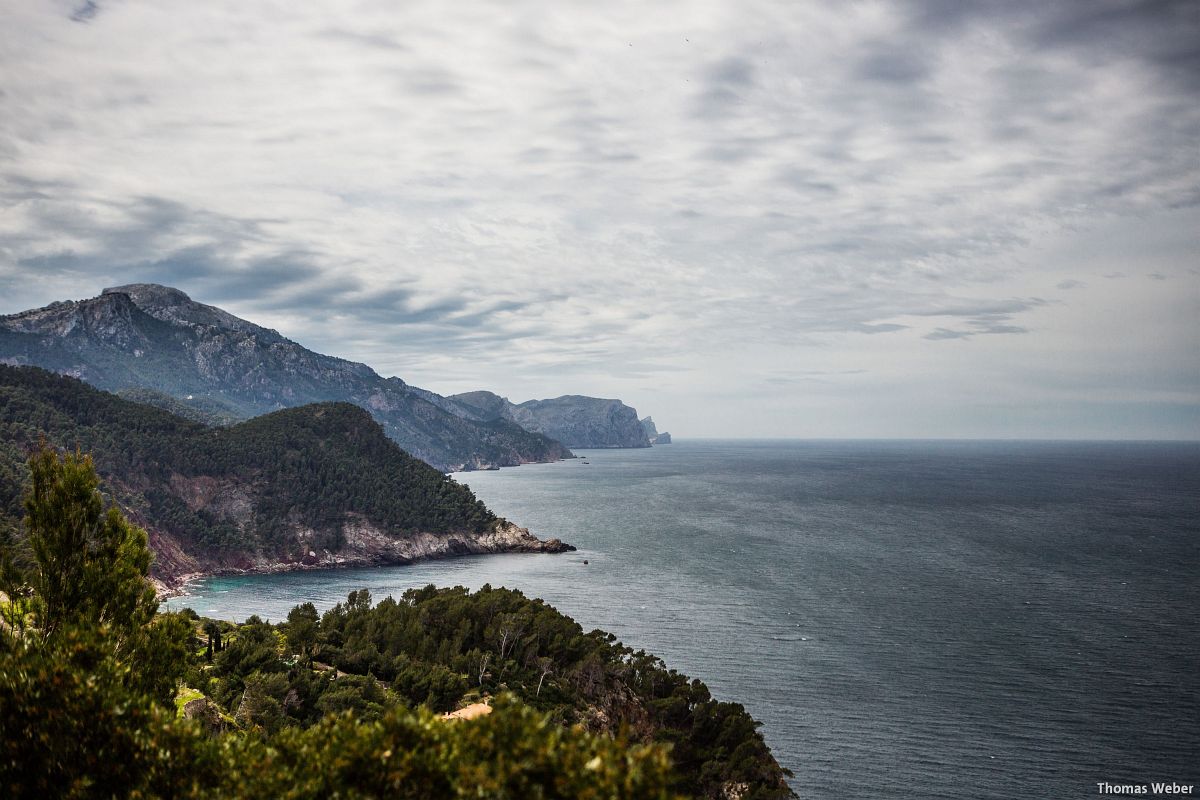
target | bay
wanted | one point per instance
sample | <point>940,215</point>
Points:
<point>908,619</point>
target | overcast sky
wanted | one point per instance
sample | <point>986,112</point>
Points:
<point>747,218</point>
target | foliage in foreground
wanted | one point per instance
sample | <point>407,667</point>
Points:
<point>439,647</point>
<point>85,661</point>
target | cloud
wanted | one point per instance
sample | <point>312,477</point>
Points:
<point>85,12</point>
<point>727,83</point>
<point>542,199</point>
<point>979,328</point>
<point>888,63</point>
<point>945,333</point>
<point>359,39</point>
<point>809,376</point>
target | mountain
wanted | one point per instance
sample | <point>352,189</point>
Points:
<point>146,336</point>
<point>652,432</point>
<point>212,413</point>
<point>318,485</point>
<point>574,420</point>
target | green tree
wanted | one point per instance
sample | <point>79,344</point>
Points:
<point>91,564</point>
<point>85,687</point>
<point>301,628</point>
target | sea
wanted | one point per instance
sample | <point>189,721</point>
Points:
<point>907,619</point>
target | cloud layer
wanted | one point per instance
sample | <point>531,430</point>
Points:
<point>861,219</point>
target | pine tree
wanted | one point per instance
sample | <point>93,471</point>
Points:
<point>91,564</point>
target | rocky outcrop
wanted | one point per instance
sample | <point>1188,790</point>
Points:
<point>653,434</point>
<point>574,420</point>
<point>145,336</point>
<point>207,714</point>
<point>366,545</point>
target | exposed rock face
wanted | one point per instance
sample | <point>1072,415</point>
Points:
<point>145,336</point>
<point>653,434</point>
<point>208,713</point>
<point>574,420</point>
<point>365,545</point>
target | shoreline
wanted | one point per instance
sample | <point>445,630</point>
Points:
<point>508,538</point>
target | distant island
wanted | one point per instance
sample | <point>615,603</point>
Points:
<point>156,345</point>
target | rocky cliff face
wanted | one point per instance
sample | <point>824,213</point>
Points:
<point>574,420</point>
<point>365,544</point>
<point>652,432</point>
<point>145,336</point>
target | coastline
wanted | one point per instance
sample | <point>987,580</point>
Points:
<point>369,547</point>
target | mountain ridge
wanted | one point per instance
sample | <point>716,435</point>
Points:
<point>147,336</point>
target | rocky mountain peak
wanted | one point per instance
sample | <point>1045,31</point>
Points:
<point>108,317</point>
<point>169,304</point>
<point>150,294</point>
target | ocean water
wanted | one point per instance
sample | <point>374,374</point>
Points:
<point>907,619</point>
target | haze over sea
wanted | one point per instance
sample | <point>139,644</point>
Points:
<point>908,619</point>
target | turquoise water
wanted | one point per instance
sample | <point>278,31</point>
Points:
<point>909,619</point>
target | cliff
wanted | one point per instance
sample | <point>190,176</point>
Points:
<point>574,420</point>
<point>320,485</point>
<point>150,337</point>
<point>652,432</point>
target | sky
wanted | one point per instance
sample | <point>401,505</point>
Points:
<point>935,218</point>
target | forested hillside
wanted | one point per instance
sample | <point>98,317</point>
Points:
<point>203,410</point>
<point>309,485</point>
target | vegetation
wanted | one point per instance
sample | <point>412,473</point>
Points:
<point>89,671</point>
<point>442,647</point>
<point>204,410</point>
<point>309,467</point>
